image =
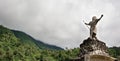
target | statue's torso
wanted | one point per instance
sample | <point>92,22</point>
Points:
<point>93,24</point>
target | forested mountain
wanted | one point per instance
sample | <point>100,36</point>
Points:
<point>19,46</point>
<point>30,40</point>
<point>12,49</point>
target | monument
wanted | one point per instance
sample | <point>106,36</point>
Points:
<point>92,49</point>
<point>92,24</point>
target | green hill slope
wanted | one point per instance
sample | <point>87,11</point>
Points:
<point>12,49</point>
<point>30,40</point>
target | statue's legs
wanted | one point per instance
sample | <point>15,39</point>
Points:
<point>92,34</point>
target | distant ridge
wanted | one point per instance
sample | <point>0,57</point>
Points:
<point>28,39</point>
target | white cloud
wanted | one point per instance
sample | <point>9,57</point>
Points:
<point>59,22</point>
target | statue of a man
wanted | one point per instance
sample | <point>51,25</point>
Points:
<point>92,25</point>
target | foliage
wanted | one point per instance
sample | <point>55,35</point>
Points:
<point>16,48</point>
<point>114,51</point>
<point>25,38</point>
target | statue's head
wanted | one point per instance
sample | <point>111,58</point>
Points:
<point>94,18</point>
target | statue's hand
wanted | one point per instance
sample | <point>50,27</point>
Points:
<point>86,24</point>
<point>102,15</point>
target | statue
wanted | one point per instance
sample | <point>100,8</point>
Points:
<point>93,49</point>
<point>92,25</point>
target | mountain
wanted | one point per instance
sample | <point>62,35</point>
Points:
<point>12,49</point>
<point>19,46</point>
<point>30,40</point>
<point>25,38</point>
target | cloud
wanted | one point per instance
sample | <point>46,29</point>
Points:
<point>60,22</point>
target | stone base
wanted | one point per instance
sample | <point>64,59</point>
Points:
<point>98,58</point>
<point>95,58</point>
<point>94,50</point>
<point>93,47</point>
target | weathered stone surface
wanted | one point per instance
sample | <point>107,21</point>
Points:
<point>98,58</point>
<point>92,47</point>
<point>94,50</point>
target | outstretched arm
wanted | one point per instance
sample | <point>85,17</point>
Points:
<point>86,23</point>
<point>100,17</point>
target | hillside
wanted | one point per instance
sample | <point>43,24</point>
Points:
<point>13,47</point>
<point>30,40</point>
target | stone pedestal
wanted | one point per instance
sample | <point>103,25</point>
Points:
<point>94,50</point>
<point>98,58</point>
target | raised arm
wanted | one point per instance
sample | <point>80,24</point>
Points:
<point>100,17</point>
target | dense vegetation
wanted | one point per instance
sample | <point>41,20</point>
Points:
<point>25,38</point>
<point>12,49</point>
<point>114,51</point>
<point>18,46</point>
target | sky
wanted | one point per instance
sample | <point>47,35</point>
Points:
<point>60,22</point>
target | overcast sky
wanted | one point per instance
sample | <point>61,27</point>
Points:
<point>60,22</point>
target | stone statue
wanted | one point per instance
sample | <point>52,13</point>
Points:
<point>92,25</point>
<point>93,49</point>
